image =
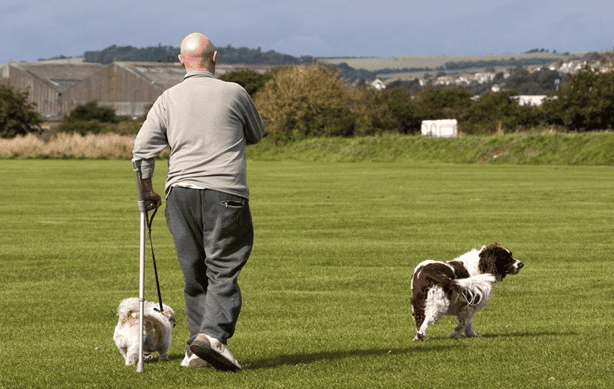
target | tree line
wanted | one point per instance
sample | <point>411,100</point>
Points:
<point>315,100</point>
<point>161,53</point>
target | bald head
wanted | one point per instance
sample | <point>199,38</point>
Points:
<point>198,53</point>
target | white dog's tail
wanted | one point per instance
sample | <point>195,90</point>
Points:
<point>477,289</point>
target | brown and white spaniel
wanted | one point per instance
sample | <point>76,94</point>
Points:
<point>459,287</point>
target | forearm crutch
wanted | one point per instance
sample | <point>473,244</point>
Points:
<point>142,225</point>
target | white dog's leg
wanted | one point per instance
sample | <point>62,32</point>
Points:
<point>132,355</point>
<point>436,306</point>
<point>165,346</point>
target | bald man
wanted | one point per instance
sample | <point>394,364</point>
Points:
<point>207,124</point>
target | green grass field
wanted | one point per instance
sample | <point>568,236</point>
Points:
<point>326,291</point>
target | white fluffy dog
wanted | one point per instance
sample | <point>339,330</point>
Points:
<point>157,330</point>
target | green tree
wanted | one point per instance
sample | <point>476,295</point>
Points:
<point>495,111</point>
<point>88,119</point>
<point>443,103</point>
<point>584,102</point>
<point>91,111</point>
<point>390,110</point>
<point>250,80</point>
<point>17,116</point>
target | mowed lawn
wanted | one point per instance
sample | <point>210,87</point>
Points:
<point>326,291</point>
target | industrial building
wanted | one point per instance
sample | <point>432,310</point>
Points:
<point>58,86</point>
<point>48,83</point>
<point>128,87</point>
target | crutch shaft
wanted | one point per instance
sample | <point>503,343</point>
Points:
<point>143,223</point>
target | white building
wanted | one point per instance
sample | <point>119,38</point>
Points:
<point>440,128</point>
<point>535,101</point>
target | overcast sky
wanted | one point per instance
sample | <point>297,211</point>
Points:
<point>35,29</point>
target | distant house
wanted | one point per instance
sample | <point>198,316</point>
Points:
<point>47,83</point>
<point>483,78</point>
<point>531,100</point>
<point>378,84</point>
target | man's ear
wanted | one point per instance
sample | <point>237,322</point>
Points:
<point>181,60</point>
<point>215,56</point>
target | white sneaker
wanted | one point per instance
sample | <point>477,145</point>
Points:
<point>214,352</point>
<point>194,361</point>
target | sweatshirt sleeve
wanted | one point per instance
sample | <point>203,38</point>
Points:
<point>254,126</point>
<point>151,138</point>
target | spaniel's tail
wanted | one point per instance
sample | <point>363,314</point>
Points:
<point>476,289</point>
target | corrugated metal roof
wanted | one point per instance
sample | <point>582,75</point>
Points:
<point>162,74</point>
<point>63,74</point>
<point>222,68</point>
<point>166,75</point>
<point>60,76</point>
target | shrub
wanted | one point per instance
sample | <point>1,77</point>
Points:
<point>17,116</point>
<point>82,127</point>
<point>91,111</point>
<point>95,127</point>
<point>389,111</point>
<point>89,118</point>
<point>499,112</point>
<point>248,79</point>
<point>306,101</point>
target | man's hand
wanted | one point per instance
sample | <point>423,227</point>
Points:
<point>152,199</point>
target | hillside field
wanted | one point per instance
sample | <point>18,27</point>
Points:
<point>379,63</point>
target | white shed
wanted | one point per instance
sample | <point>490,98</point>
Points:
<point>440,128</point>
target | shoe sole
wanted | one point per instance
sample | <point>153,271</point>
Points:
<point>218,361</point>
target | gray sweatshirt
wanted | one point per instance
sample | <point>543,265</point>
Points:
<point>206,123</point>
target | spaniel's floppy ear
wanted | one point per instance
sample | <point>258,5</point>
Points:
<point>488,257</point>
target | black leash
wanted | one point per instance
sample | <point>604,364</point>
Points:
<point>153,257</point>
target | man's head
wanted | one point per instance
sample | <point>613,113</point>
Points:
<point>198,53</point>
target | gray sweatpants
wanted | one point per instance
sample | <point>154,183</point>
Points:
<point>213,236</point>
